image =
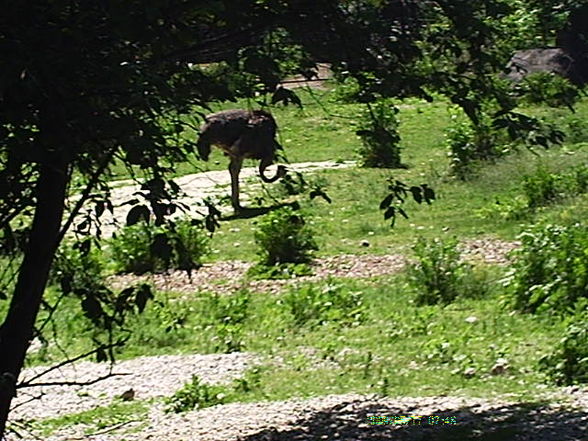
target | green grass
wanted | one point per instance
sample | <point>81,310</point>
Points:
<point>396,348</point>
<point>101,418</point>
<point>392,340</point>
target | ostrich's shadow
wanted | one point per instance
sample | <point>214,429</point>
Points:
<point>249,213</point>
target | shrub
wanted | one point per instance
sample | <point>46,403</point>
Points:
<point>551,268</point>
<point>317,305</point>
<point>195,395</point>
<point>549,88</point>
<point>568,363</point>
<point>145,247</point>
<point>77,267</point>
<point>379,135</point>
<point>283,236</point>
<point>540,188</point>
<point>468,144</point>
<point>438,275</point>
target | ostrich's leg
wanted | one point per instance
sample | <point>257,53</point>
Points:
<point>234,170</point>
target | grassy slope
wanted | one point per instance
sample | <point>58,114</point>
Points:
<point>397,349</point>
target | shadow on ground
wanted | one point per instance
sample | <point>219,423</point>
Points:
<point>248,213</point>
<point>349,422</point>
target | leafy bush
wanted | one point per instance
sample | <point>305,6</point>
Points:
<point>540,188</point>
<point>551,269</point>
<point>468,143</point>
<point>145,247</point>
<point>283,236</point>
<point>316,305</point>
<point>438,275</point>
<point>379,135</point>
<point>78,266</point>
<point>568,363</point>
<point>549,88</point>
<point>195,395</point>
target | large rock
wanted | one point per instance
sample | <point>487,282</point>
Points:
<point>555,60</point>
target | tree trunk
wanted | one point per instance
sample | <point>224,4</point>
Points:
<point>17,330</point>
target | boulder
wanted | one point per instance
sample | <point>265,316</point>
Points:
<point>555,60</point>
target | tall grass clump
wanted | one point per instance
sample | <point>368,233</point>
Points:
<point>439,275</point>
<point>550,272</point>
<point>312,304</point>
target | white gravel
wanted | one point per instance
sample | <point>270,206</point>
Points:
<point>198,186</point>
<point>345,418</point>
<point>149,377</point>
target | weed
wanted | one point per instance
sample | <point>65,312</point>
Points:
<point>540,188</point>
<point>77,267</point>
<point>195,395</point>
<point>378,131</point>
<point>282,271</point>
<point>551,269</point>
<point>331,303</point>
<point>438,274</point>
<point>227,316</point>
<point>469,144</point>
<point>549,88</point>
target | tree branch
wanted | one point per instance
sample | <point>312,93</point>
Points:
<point>66,362</point>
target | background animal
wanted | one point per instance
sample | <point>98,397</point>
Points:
<point>241,134</point>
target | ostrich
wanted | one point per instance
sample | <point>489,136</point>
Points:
<point>241,134</point>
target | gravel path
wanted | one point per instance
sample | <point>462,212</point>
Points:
<point>196,187</point>
<point>149,377</point>
<point>228,276</point>
<point>345,418</point>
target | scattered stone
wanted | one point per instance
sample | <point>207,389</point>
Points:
<point>469,372</point>
<point>500,367</point>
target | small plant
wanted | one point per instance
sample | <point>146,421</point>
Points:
<point>550,272</point>
<point>282,271</point>
<point>379,135</point>
<point>227,316</point>
<point>516,208</point>
<point>283,236</point>
<point>144,247</point>
<point>195,395</point>
<point>568,363</point>
<point>331,303</point>
<point>438,275</point>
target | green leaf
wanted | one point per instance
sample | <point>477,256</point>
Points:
<point>137,214</point>
<point>390,212</point>
<point>416,194</point>
<point>386,201</point>
<point>143,295</point>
